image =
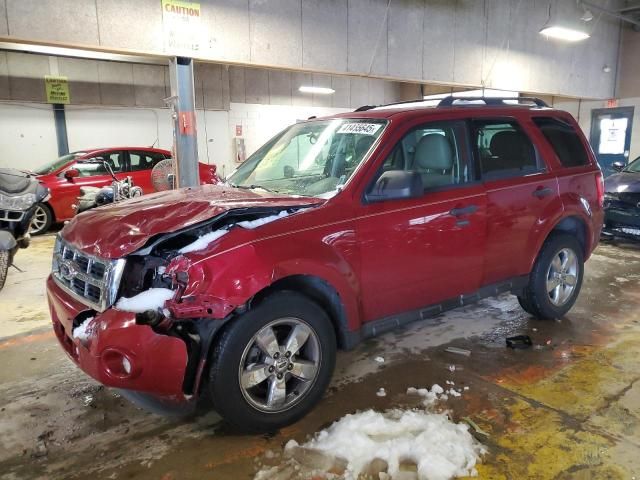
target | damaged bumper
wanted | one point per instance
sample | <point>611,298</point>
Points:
<point>116,351</point>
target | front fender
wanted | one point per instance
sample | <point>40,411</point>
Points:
<point>218,284</point>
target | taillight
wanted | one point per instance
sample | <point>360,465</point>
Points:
<point>600,188</point>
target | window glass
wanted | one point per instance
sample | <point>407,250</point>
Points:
<point>144,160</point>
<point>564,140</point>
<point>312,158</point>
<point>504,149</point>
<point>94,167</point>
<point>437,151</point>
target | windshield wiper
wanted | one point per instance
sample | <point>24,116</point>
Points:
<point>254,187</point>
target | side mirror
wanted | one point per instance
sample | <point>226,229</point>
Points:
<point>618,166</point>
<point>71,174</point>
<point>396,184</point>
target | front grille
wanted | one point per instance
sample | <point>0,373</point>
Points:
<point>92,280</point>
<point>11,216</point>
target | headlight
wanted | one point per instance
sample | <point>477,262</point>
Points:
<point>20,202</point>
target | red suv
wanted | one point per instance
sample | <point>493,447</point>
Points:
<point>337,229</point>
<point>65,175</point>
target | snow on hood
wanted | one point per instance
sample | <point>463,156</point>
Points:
<point>116,230</point>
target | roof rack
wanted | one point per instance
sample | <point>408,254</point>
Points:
<point>502,101</point>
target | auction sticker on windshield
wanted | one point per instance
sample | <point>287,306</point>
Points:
<point>360,128</point>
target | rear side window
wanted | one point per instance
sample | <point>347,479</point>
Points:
<point>504,149</point>
<point>144,160</point>
<point>564,140</point>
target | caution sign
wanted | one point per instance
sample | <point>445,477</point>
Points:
<point>182,25</point>
<point>57,89</point>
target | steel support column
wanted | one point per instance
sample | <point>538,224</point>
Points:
<point>61,129</point>
<point>185,141</point>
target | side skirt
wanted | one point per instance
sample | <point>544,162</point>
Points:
<point>382,325</point>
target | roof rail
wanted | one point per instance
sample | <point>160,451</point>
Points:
<point>502,101</point>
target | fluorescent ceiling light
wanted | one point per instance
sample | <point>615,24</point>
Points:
<point>562,33</point>
<point>318,90</point>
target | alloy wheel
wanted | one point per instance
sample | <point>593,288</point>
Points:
<point>562,277</point>
<point>279,365</point>
<point>39,220</point>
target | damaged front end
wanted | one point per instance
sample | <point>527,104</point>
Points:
<point>153,336</point>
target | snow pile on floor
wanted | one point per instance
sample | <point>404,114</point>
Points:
<point>202,242</point>
<point>82,332</point>
<point>250,224</point>
<point>151,299</point>
<point>430,396</point>
<point>438,447</point>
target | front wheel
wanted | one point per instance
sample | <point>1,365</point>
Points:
<point>556,278</point>
<point>273,363</point>
<point>42,219</point>
<point>5,259</point>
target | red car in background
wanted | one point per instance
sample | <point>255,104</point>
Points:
<point>65,175</point>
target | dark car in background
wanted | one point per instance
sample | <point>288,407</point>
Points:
<point>65,175</point>
<point>622,201</point>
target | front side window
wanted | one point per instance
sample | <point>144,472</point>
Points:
<point>504,149</point>
<point>438,151</point>
<point>564,140</point>
<point>633,166</point>
<point>95,167</point>
<point>312,158</point>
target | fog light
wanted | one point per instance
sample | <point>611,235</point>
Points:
<point>117,364</point>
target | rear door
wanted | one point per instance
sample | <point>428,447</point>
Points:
<point>520,189</point>
<point>422,251</point>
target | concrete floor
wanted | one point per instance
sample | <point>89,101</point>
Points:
<point>567,408</point>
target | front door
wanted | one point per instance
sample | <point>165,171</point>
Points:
<point>611,136</point>
<point>421,251</point>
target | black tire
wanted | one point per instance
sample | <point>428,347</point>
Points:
<point>44,212</point>
<point>224,375</point>
<point>535,298</point>
<point>526,304</point>
<point>5,259</point>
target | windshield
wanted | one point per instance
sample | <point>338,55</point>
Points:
<point>312,158</point>
<point>56,164</point>
<point>633,166</point>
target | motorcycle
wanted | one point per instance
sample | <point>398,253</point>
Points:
<point>20,194</point>
<point>92,197</point>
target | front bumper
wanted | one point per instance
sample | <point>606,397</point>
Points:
<point>157,362</point>
<point>622,221</point>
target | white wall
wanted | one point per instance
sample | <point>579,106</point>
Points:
<point>27,135</point>
<point>27,132</point>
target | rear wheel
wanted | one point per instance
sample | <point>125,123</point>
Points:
<point>556,278</point>
<point>5,258</point>
<point>273,364</point>
<point>42,219</point>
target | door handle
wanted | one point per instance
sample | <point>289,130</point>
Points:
<point>541,192</point>
<point>459,212</point>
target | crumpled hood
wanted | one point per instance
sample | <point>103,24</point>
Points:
<point>629,181</point>
<point>114,231</point>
